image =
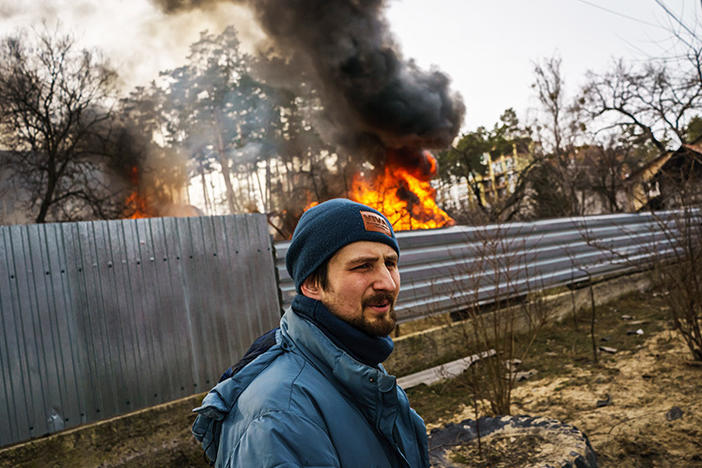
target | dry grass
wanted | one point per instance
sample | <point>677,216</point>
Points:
<point>648,375</point>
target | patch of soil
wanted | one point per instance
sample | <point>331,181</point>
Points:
<point>157,436</point>
<point>500,451</point>
<point>641,386</point>
<point>638,387</point>
<point>510,441</point>
<point>642,382</point>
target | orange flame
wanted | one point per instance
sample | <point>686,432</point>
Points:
<point>403,194</point>
<point>136,205</point>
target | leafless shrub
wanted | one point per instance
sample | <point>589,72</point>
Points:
<point>506,314</point>
<point>672,256</point>
<point>678,274</point>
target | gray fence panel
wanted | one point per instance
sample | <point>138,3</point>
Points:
<point>450,269</point>
<point>103,318</point>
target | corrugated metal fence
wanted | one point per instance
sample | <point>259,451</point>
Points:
<point>103,318</point>
<point>449,269</point>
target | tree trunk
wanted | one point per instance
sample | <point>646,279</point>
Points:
<point>203,180</point>
<point>592,323</point>
<point>50,189</point>
<point>224,163</point>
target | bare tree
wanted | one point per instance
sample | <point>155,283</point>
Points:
<point>657,105</point>
<point>468,161</point>
<point>679,276</point>
<point>604,170</point>
<point>654,102</point>
<point>55,122</point>
<point>555,180</point>
<point>498,274</point>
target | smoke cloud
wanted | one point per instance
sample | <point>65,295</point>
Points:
<point>371,94</point>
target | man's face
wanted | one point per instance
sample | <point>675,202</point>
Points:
<point>362,284</point>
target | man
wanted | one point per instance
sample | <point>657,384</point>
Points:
<point>317,395</point>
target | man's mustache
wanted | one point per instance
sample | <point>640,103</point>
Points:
<point>379,298</point>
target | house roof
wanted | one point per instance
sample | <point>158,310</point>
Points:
<point>649,170</point>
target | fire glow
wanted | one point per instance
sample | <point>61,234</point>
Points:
<point>402,192</point>
<point>136,206</point>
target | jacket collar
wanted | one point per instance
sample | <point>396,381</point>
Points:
<point>370,388</point>
<point>361,346</point>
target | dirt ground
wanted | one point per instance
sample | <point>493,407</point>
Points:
<point>649,392</point>
<point>648,376</point>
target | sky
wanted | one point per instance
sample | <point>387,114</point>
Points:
<point>487,48</point>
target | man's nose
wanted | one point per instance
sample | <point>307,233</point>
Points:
<point>384,280</point>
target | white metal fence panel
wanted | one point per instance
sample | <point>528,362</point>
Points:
<point>102,318</point>
<point>447,270</point>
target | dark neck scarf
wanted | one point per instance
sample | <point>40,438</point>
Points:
<point>370,350</point>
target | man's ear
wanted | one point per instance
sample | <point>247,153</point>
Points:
<point>311,289</point>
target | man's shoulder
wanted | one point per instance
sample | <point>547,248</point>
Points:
<point>281,385</point>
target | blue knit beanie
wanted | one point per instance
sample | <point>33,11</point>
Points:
<point>329,226</point>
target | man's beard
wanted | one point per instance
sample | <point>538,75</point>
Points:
<point>374,325</point>
<point>378,326</point>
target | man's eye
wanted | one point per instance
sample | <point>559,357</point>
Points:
<point>363,266</point>
<point>391,264</point>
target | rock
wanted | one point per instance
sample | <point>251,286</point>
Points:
<point>674,413</point>
<point>638,322</point>
<point>627,317</point>
<point>635,332</point>
<point>604,338</point>
<point>517,440</point>
<point>607,349</point>
<point>525,375</point>
<point>606,402</point>
<point>512,364</point>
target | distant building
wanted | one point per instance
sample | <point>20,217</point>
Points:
<point>498,182</point>
<point>671,180</point>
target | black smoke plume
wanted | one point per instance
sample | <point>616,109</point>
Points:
<point>372,96</point>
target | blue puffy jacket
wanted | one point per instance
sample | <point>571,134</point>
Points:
<point>306,402</point>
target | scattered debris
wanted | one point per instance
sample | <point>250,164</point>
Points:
<point>635,332</point>
<point>607,349</point>
<point>605,338</point>
<point>674,413</point>
<point>443,371</point>
<point>525,375</point>
<point>627,317</point>
<point>512,364</point>
<point>606,402</point>
<point>643,383</point>
<point>638,322</point>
